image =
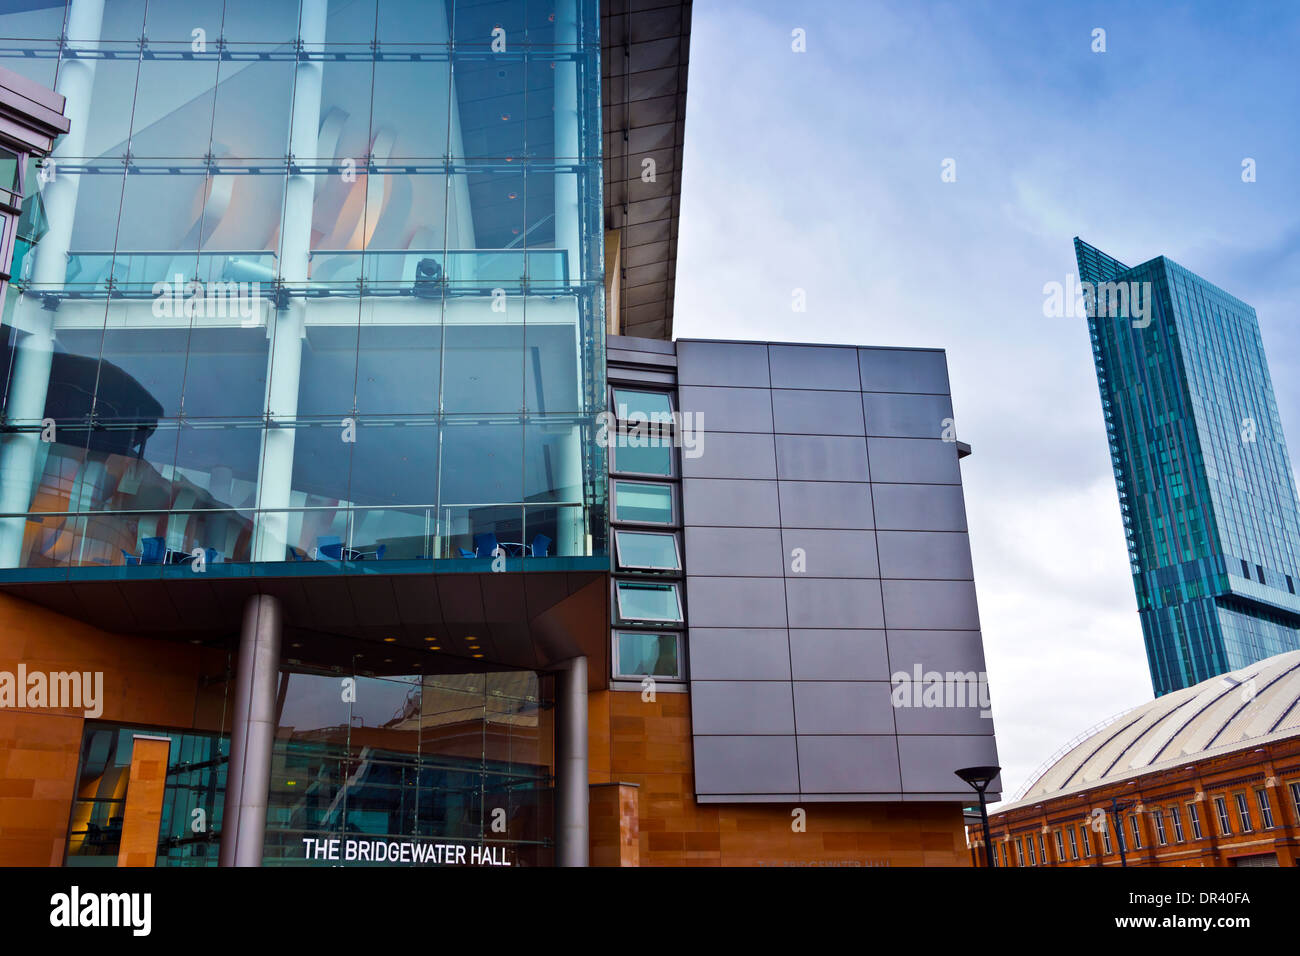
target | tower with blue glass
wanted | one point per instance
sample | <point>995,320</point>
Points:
<point>1205,483</point>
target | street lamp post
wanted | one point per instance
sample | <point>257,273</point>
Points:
<point>979,779</point>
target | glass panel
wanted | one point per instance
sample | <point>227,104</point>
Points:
<point>225,374</point>
<point>656,552</point>
<point>394,463</point>
<point>33,51</point>
<point>641,654</point>
<point>635,501</point>
<point>648,602</point>
<point>655,406</point>
<point>9,166</point>
<point>489,367</point>
<point>482,462</point>
<point>642,455</point>
<point>173,102</point>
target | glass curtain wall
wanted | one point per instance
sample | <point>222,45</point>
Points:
<point>463,760</point>
<point>307,281</point>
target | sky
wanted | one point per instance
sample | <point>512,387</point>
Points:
<point>821,171</point>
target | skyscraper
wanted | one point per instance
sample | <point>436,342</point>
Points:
<point>1205,483</point>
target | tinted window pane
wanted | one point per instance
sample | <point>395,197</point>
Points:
<point>642,457</point>
<point>648,602</point>
<point>641,502</point>
<point>653,405</point>
<point>644,550</point>
<point>652,654</point>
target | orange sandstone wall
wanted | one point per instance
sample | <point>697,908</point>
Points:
<point>649,744</point>
<point>150,683</point>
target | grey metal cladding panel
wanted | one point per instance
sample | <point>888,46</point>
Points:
<point>734,552</point>
<point>746,765</point>
<point>913,461</point>
<point>747,708</point>
<point>726,653</point>
<point>961,651</point>
<point>916,507</point>
<point>735,602</point>
<point>892,415</point>
<point>848,764</point>
<point>731,455</point>
<point>926,555</point>
<point>963,712</point>
<point>929,763</point>
<point>830,602</point>
<point>809,366</point>
<point>731,502</point>
<point>821,458</point>
<point>931,605</point>
<point>817,413</point>
<point>722,363</point>
<point>826,504</point>
<point>843,707</point>
<point>830,554</point>
<point>903,370</point>
<point>831,654</point>
<point>727,409</point>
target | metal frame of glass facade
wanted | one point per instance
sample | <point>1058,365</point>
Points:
<point>1201,465</point>
<point>315,284</point>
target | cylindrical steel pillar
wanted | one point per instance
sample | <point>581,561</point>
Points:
<point>571,790</point>
<point>252,733</point>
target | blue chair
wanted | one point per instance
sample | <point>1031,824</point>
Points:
<point>485,544</point>
<point>153,550</point>
<point>132,560</point>
<point>375,555</point>
<point>330,546</point>
<point>464,553</point>
<point>541,544</point>
<point>294,554</point>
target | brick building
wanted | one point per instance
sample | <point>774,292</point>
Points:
<point>1205,776</point>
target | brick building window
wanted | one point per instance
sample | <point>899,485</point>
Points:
<point>1060,846</point>
<point>1194,818</point>
<point>1221,811</point>
<point>1105,838</point>
<point>1137,831</point>
<point>1087,843</point>
<point>1074,843</point>
<point>1178,824</point>
<point>1265,808</point>
<point>1243,813</point>
<point>1161,838</point>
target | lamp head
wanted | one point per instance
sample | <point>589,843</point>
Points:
<point>978,777</point>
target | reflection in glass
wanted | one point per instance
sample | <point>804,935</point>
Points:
<point>639,601</point>
<point>640,501</point>
<point>203,324</point>
<point>643,654</point>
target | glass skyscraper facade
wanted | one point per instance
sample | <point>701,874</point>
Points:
<point>1205,483</point>
<point>308,282</point>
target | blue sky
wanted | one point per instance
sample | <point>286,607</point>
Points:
<point>821,171</point>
